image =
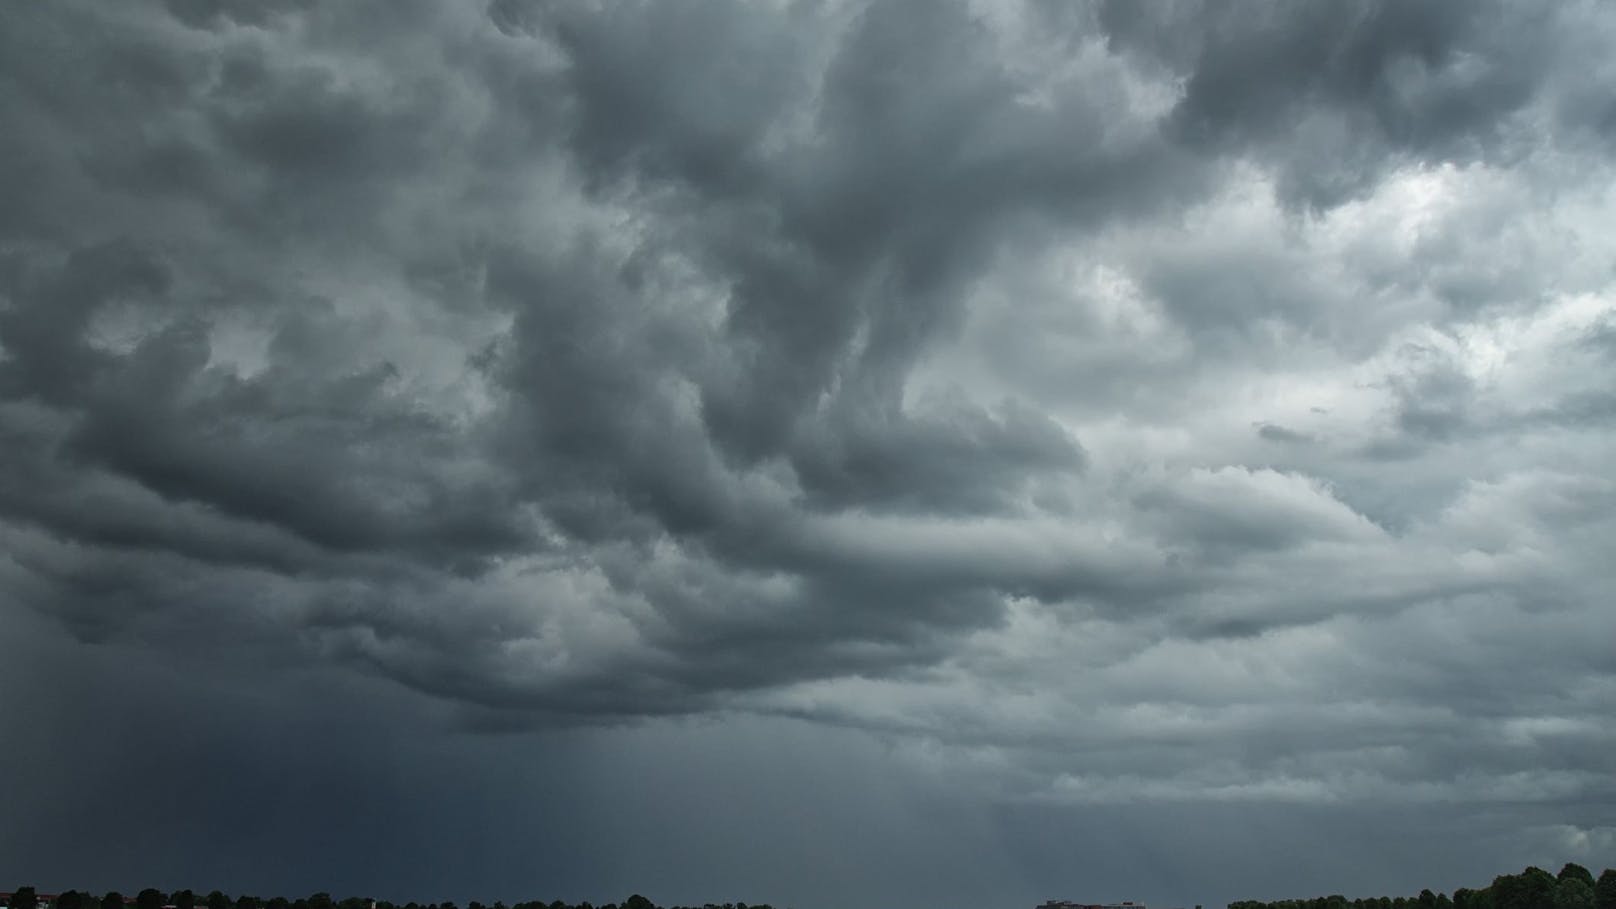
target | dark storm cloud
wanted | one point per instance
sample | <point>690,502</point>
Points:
<point>1332,96</point>
<point>1276,433</point>
<point>282,450</point>
<point>1092,404</point>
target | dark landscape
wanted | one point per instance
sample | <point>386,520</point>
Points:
<point>1575,887</point>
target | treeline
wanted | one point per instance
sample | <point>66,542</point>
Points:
<point>28,898</point>
<point>1573,888</point>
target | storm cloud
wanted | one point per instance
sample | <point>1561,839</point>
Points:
<point>978,426</point>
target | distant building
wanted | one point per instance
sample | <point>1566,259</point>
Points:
<point>43,900</point>
<point>1070,904</point>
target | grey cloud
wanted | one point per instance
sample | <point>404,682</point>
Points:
<point>1432,406</point>
<point>1602,338</point>
<point>1334,95</point>
<point>1273,432</point>
<point>839,256</point>
<point>283,449</point>
<point>942,461</point>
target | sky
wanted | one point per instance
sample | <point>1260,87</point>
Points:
<point>834,454</point>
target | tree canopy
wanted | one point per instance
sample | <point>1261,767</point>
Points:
<point>150,898</point>
<point>1574,887</point>
<point>1605,890</point>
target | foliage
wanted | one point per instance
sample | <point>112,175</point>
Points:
<point>25,898</point>
<point>1605,890</point>
<point>1573,893</point>
<point>1572,869</point>
<point>1573,888</point>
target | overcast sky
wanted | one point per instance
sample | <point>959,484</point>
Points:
<point>833,454</point>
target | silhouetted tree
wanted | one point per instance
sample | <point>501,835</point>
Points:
<point>1531,889</point>
<point>1540,887</point>
<point>1605,890</point>
<point>1573,888</point>
<point>70,899</point>
<point>1573,893</point>
<point>24,898</point>
<point>184,899</point>
<point>113,900</point>
<point>149,899</point>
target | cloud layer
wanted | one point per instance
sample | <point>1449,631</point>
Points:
<point>1099,404</point>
